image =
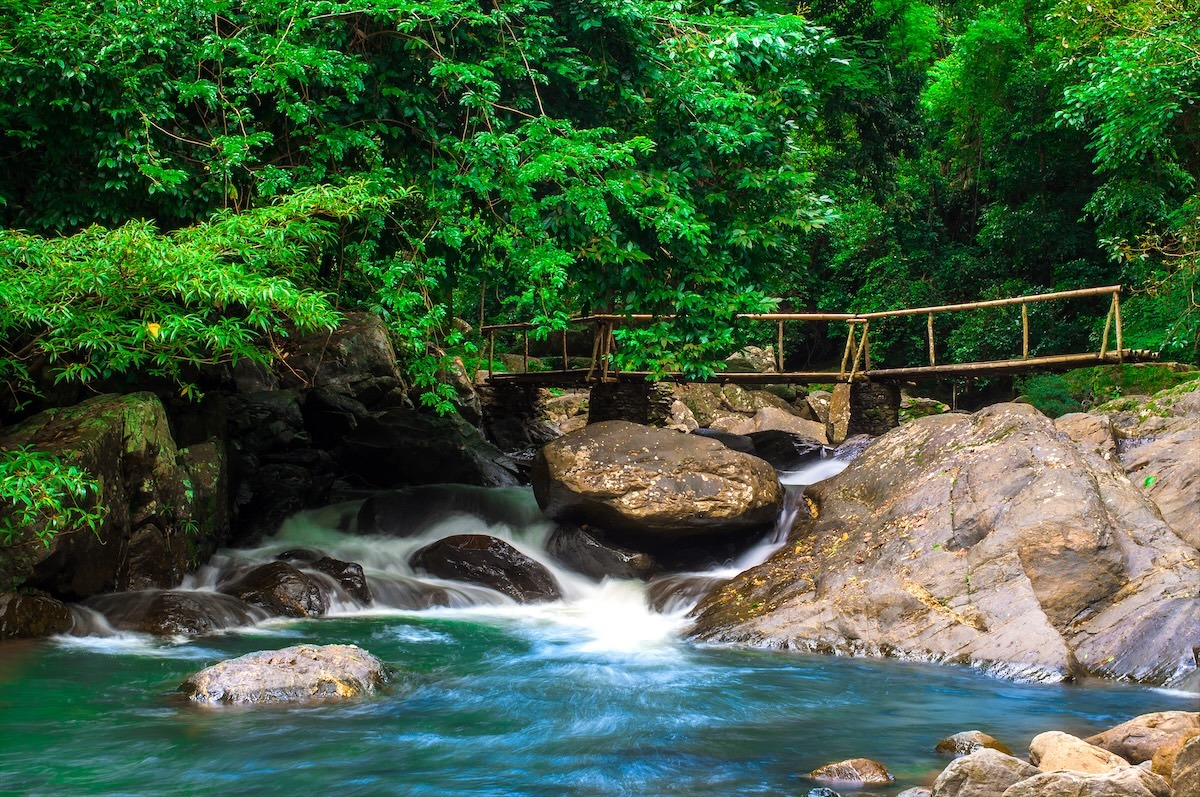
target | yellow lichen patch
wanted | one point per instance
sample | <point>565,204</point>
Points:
<point>926,597</point>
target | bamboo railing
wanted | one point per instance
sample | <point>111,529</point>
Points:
<point>856,355</point>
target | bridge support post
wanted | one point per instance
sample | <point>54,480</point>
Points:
<point>862,408</point>
<point>640,402</point>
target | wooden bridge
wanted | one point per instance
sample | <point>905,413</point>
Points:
<point>856,364</point>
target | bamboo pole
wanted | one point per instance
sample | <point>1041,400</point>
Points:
<point>858,354</point>
<point>929,326</point>
<point>525,362</point>
<point>1024,331</point>
<point>949,308</point>
<point>846,353</point>
<point>566,364</point>
<point>595,351</point>
<point>491,352</point>
<point>1107,326</point>
<point>779,349</point>
<point>1117,316</point>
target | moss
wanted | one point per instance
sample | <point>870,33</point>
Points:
<point>1084,388</point>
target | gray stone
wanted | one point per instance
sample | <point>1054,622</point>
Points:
<point>988,539</point>
<point>279,588</point>
<point>853,771</point>
<point>1120,782</point>
<point>32,616</point>
<point>1055,750</point>
<point>967,742</point>
<point>296,674</point>
<point>489,562</point>
<point>984,773</point>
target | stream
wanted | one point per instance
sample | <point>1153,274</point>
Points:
<point>595,694</point>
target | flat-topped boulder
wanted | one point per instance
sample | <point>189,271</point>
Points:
<point>654,483</point>
<point>297,674</point>
<point>489,562</point>
<point>989,539</point>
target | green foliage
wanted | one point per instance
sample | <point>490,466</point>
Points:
<point>40,492</point>
<point>1084,388</point>
<point>105,302</point>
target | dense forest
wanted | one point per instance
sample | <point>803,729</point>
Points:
<point>181,182</point>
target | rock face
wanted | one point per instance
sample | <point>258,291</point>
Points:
<point>1168,470</point>
<point>489,562</point>
<point>634,479</point>
<point>773,419</point>
<point>1141,737</point>
<point>1185,772</point>
<point>1055,750</point>
<point>295,674</point>
<point>124,443</point>
<point>989,539</point>
<point>984,773</point>
<point>1121,782</point>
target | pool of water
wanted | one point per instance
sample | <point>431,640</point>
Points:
<point>595,694</point>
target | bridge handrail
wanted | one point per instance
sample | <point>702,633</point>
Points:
<point>857,352</point>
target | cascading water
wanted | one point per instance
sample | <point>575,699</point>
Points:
<point>593,694</point>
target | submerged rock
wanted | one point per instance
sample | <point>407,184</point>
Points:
<point>295,674</point>
<point>988,539</point>
<point>489,562</point>
<point>967,742</point>
<point>653,483</point>
<point>279,588</point>
<point>855,771</point>
<point>348,575</point>
<point>174,612</point>
<point>984,773</point>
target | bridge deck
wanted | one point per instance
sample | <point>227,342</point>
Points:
<point>1058,362</point>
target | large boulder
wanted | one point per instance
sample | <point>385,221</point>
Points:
<point>1185,770</point>
<point>586,551</point>
<point>772,419</point>
<point>1168,469</point>
<point>356,358</point>
<point>296,674</point>
<point>1120,782</point>
<point>1141,737</point>
<point>1054,750</point>
<point>984,773</point>
<point>654,483</point>
<point>489,562</point>
<point>32,616</point>
<point>125,444</point>
<point>988,539</point>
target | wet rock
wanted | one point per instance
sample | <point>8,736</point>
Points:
<point>987,539</point>
<point>1185,771</point>
<point>154,559</point>
<point>734,442</point>
<point>489,562</point>
<point>411,593</point>
<point>348,575</point>
<point>585,551</point>
<point>967,742</point>
<point>413,510</point>
<point>329,416</point>
<point>24,616</point>
<point>654,483</point>
<point>1120,782</point>
<point>124,442</point>
<point>854,771</point>
<point>786,450</point>
<point>401,446</point>
<point>822,791</point>
<point>279,588</point>
<point>916,791</point>
<point>984,773</point>
<point>303,555</point>
<point>1141,737</point>
<point>174,613</point>
<point>1055,750</point>
<point>678,592</point>
<point>296,674</point>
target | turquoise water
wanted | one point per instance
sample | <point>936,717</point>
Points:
<point>505,705</point>
<point>596,694</point>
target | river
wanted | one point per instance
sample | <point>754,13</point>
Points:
<point>596,694</point>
